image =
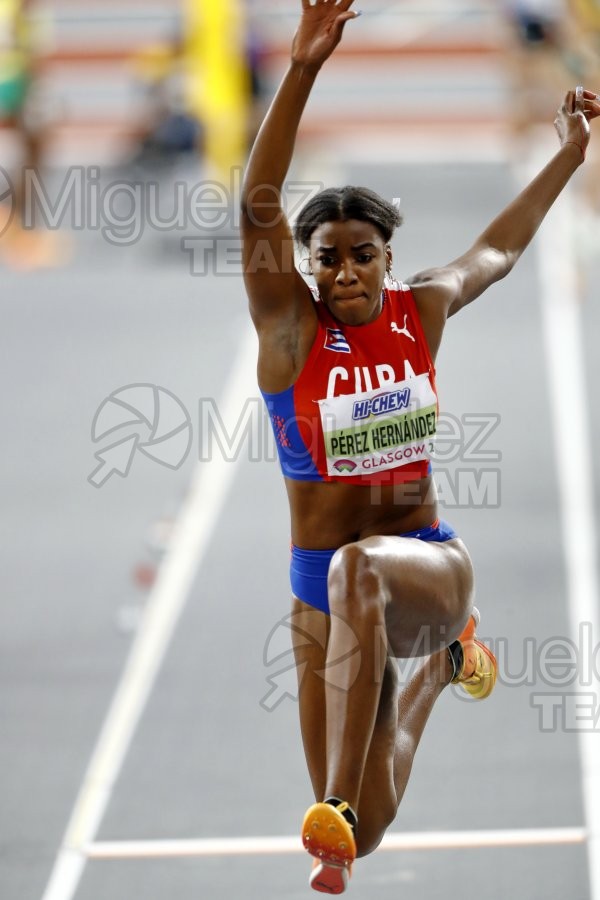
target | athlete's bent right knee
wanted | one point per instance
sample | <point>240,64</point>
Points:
<point>354,584</point>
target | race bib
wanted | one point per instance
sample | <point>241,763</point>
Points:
<point>380,429</point>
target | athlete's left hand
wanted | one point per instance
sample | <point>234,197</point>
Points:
<point>572,120</point>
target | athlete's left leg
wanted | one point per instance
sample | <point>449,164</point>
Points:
<point>413,598</point>
<point>395,596</point>
<point>399,725</point>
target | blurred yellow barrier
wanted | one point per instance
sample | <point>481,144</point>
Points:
<point>217,78</point>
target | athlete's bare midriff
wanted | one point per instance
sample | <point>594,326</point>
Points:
<point>327,515</point>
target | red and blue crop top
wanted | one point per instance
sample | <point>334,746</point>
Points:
<point>364,407</point>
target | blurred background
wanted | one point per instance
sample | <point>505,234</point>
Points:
<point>143,652</point>
<point>146,87</point>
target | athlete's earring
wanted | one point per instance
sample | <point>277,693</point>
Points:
<point>305,266</point>
<point>390,281</point>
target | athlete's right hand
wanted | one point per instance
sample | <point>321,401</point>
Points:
<point>320,30</point>
<point>572,120</point>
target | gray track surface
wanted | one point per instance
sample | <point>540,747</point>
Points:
<point>207,760</point>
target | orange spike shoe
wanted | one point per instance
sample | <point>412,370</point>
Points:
<point>475,666</point>
<point>329,879</point>
<point>328,836</point>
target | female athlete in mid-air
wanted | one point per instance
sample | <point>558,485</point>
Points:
<point>347,373</point>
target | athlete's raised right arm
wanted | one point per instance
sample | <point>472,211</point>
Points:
<point>275,288</point>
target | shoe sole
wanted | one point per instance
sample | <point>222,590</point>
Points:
<point>481,684</point>
<point>329,879</point>
<point>327,836</point>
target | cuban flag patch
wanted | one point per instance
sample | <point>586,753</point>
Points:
<point>335,340</point>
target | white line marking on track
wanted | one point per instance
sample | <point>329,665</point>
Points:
<point>568,392</point>
<point>271,846</point>
<point>190,539</point>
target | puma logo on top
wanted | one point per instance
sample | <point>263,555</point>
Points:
<point>404,330</point>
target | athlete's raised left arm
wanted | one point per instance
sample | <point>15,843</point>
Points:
<point>442,292</point>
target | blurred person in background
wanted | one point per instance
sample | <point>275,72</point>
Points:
<point>345,367</point>
<point>256,55</point>
<point>22,247</point>
<point>170,132</point>
<point>584,24</point>
<point>583,56</point>
<point>552,43</point>
<point>174,127</point>
<point>535,43</point>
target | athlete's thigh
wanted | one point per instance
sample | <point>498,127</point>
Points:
<point>429,591</point>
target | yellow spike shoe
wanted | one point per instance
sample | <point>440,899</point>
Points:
<point>474,664</point>
<point>328,836</point>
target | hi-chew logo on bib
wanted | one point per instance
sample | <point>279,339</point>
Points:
<point>381,404</point>
<point>379,430</point>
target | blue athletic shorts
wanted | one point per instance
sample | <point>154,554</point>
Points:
<point>309,568</point>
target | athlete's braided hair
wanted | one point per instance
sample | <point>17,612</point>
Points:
<point>341,204</point>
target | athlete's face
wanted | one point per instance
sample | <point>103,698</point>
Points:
<point>349,261</point>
